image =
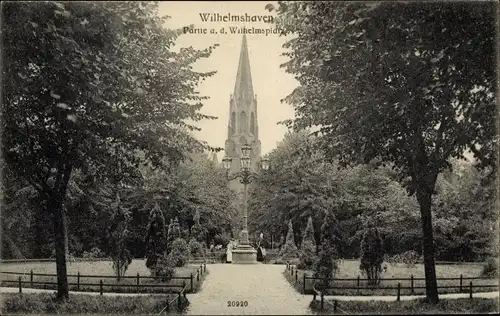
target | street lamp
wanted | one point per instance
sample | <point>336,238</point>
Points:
<point>244,253</point>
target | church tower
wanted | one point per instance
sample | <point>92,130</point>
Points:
<point>243,127</point>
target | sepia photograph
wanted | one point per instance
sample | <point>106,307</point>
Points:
<point>249,157</point>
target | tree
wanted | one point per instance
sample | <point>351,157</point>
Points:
<point>180,252</point>
<point>289,249</point>
<point>326,266</point>
<point>308,247</point>
<point>372,254</point>
<point>299,185</point>
<point>156,237</point>
<point>98,84</point>
<point>197,232</point>
<point>174,232</point>
<point>196,249</point>
<point>120,221</point>
<point>396,81</point>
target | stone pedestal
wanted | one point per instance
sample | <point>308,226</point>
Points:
<point>244,254</point>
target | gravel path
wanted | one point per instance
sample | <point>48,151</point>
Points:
<point>262,286</point>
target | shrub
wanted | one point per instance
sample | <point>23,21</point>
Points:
<point>289,249</point>
<point>222,239</point>
<point>372,255</point>
<point>307,254</point>
<point>410,258</point>
<point>94,253</point>
<point>155,238</point>
<point>490,268</point>
<point>326,266</point>
<point>196,249</point>
<point>179,253</point>
<point>165,268</point>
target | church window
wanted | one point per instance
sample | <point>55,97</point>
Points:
<point>252,123</point>
<point>233,123</point>
<point>243,124</point>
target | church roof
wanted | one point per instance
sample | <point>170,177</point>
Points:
<point>243,89</point>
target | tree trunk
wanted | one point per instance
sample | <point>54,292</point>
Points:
<point>60,246</point>
<point>424,198</point>
<point>56,205</point>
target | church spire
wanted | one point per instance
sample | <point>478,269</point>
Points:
<point>243,89</point>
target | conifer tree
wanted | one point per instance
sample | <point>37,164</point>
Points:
<point>197,232</point>
<point>289,249</point>
<point>155,238</point>
<point>307,252</point>
<point>327,264</point>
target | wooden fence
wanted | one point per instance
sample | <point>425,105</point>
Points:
<point>465,284</point>
<point>188,282</point>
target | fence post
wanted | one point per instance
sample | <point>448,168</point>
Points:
<point>100,287</point>
<point>31,278</point>
<point>291,272</point>
<point>296,276</point>
<point>197,275</point>
<point>412,291</point>
<point>137,282</point>
<point>191,276</point>
<point>304,283</point>
<point>335,305</point>
<point>179,301</point>
<point>204,267</point>
<point>20,285</point>
<point>461,277</point>
<point>322,300</point>
<point>358,286</point>
<point>470,289</point>
<point>399,291</point>
<point>78,281</point>
<point>201,269</point>
<point>168,304</point>
<point>314,295</point>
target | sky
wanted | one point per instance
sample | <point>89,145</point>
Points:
<point>270,82</point>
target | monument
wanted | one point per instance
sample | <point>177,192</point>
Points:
<point>243,129</point>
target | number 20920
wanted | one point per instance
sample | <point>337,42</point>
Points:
<point>237,303</point>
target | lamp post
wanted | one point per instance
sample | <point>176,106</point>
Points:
<point>244,253</point>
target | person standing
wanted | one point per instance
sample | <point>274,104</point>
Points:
<point>229,252</point>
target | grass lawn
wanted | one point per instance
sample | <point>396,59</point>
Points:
<point>455,306</point>
<point>350,269</point>
<point>98,268</point>
<point>86,304</point>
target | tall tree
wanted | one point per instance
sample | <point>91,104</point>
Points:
<point>156,237</point>
<point>99,86</point>
<point>300,184</point>
<point>119,231</point>
<point>327,266</point>
<point>399,81</point>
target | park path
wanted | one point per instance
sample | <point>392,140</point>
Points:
<point>263,286</point>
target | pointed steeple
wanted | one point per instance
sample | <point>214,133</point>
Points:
<point>243,89</point>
